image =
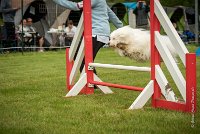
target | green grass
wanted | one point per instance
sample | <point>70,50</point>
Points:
<point>32,87</point>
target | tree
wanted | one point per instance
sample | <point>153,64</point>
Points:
<point>188,3</point>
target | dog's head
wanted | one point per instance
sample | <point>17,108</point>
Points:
<point>118,39</point>
<point>115,39</point>
<point>132,43</point>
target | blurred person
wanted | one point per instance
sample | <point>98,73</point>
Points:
<point>23,29</point>
<point>39,38</point>
<point>141,12</point>
<point>8,14</point>
<point>23,36</point>
<point>101,15</point>
<point>70,32</point>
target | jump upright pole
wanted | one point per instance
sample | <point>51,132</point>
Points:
<point>87,13</point>
<point>157,85</point>
<point>187,85</point>
<point>155,57</point>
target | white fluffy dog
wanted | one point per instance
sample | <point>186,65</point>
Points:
<point>135,43</point>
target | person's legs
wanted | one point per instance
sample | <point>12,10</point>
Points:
<point>96,47</point>
<point>41,43</point>
<point>68,41</point>
<point>62,40</point>
<point>10,34</point>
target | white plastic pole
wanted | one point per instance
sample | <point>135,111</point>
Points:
<point>122,67</point>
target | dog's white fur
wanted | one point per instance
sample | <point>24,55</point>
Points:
<point>135,43</point>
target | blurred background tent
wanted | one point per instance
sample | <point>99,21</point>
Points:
<point>184,15</point>
<point>45,15</point>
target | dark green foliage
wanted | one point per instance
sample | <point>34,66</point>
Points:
<point>189,3</point>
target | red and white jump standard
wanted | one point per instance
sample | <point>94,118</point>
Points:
<point>158,85</point>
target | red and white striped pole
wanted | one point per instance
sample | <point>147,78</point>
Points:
<point>155,57</point>
<point>87,13</point>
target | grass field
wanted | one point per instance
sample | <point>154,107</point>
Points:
<point>32,87</point>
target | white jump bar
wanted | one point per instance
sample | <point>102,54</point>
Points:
<point>122,67</point>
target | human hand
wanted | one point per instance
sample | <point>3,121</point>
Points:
<point>80,4</point>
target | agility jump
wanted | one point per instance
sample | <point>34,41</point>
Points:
<point>158,84</point>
